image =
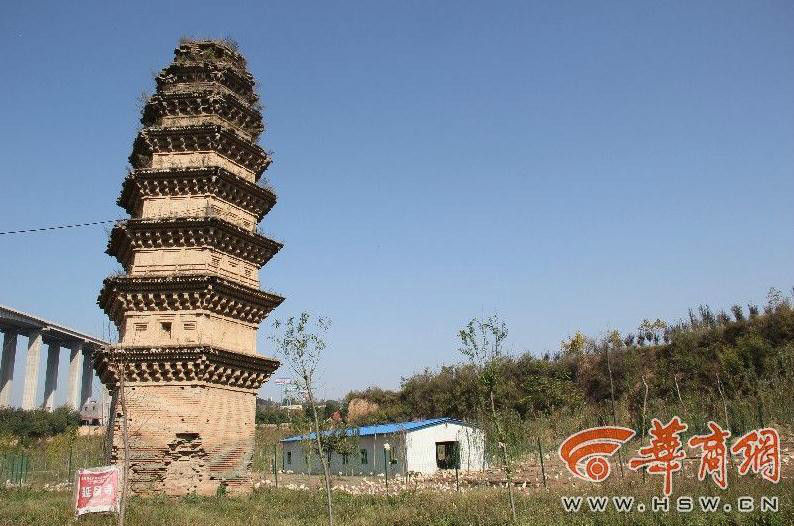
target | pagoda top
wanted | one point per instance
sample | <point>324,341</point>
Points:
<point>199,64</point>
<point>192,51</point>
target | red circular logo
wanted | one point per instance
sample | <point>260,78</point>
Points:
<point>597,468</point>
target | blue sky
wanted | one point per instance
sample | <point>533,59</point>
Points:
<point>569,165</point>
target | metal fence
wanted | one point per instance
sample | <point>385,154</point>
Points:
<point>14,467</point>
<point>50,463</point>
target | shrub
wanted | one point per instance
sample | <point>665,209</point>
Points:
<point>37,423</point>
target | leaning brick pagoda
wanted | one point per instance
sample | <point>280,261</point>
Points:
<point>188,304</point>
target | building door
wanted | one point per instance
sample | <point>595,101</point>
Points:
<point>448,455</point>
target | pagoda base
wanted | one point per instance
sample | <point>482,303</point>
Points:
<point>185,434</point>
<point>186,438</point>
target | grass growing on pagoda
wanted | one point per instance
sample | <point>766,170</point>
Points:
<point>486,507</point>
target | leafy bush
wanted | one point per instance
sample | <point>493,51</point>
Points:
<point>37,423</point>
<point>271,414</point>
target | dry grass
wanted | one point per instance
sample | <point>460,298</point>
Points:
<point>486,507</point>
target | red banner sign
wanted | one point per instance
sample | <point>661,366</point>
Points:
<point>96,490</point>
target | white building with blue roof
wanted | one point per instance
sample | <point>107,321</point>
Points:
<point>421,446</point>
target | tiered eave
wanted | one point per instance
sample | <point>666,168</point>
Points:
<point>185,181</point>
<point>197,292</point>
<point>189,232</point>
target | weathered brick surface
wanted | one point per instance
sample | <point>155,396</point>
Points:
<point>186,438</point>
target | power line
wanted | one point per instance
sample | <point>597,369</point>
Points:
<point>29,230</point>
<point>189,213</point>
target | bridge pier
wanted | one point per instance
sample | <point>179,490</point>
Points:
<point>79,379</point>
<point>32,370</point>
<point>75,368</point>
<point>7,363</point>
<point>51,376</point>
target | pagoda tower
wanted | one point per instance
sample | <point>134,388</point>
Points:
<point>188,304</point>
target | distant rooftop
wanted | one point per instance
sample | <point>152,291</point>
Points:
<point>382,429</point>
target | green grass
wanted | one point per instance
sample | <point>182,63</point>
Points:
<point>486,507</point>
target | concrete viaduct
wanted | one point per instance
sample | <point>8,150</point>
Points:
<point>14,323</point>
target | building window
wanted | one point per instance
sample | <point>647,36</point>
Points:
<point>215,261</point>
<point>289,457</point>
<point>165,329</point>
<point>189,328</point>
<point>140,327</point>
<point>364,459</point>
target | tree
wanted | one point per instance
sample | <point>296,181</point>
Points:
<point>547,389</point>
<point>574,345</point>
<point>482,342</point>
<point>269,413</point>
<point>300,341</point>
<point>652,331</point>
<point>330,407</point>
<point>341,441</point>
